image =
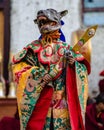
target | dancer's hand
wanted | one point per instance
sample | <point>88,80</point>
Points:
<point>47,78</point>
<point>69,58</point>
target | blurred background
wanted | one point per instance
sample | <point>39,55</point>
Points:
<point>17,29</point>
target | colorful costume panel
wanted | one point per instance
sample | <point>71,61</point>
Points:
<point>61,103</point>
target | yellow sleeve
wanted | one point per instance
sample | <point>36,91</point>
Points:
<point>22,80</point>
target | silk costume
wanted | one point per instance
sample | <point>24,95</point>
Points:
<point>61,103</point>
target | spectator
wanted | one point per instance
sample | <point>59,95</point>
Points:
<point>101,82</point>
<point>10,123</point>
<point>94,119</point>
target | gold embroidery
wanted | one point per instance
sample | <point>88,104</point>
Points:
<point>39,89</point>
<point>59,113</point>
<point>22,81</point>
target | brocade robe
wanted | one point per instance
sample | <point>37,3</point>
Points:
<point>61,103</point>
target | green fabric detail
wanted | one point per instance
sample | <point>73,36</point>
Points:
<point>29,103</point>
<point>20,55</point>
<point>30,98</point>
<point>60,83</point>
<point>82,73</point>
<point>76,55</point>
<point>58,124</point>
<point>65,44</point>
<point>34,45</point>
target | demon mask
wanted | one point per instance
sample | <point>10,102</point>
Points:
<point>49,20</point>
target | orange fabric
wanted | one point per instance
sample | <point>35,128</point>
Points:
<point>48,38</point>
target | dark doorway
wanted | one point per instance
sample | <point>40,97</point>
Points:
<point>5,38</point>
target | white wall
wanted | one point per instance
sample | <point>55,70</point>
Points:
<point>97,63</point>
<point>23,29</point>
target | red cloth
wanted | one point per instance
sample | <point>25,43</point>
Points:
<point>91,118</point>
<point>38,117</point>
<point>102,73</point>
<point>37,120</point>
<point>9,123</point>
<point>73,101</point>
<point>101,85</point>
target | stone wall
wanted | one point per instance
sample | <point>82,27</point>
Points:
<point>23,29</point>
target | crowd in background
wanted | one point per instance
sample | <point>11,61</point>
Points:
<point>94,117</point>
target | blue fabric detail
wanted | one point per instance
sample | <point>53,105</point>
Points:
<point>62,37</point>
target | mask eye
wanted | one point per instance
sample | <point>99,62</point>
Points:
<point>40,12</point>
<point>41,22</point>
